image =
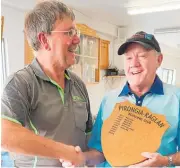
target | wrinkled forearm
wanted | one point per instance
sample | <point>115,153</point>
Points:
<point>176,159</point>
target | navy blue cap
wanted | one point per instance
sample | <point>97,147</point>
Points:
<point>148,41</point>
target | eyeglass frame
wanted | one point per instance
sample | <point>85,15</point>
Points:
<point>77,32</point>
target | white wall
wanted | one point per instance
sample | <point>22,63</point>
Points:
<point>100,26</point>
<point>148,22</point>
<point>172,63</point>
<point>170,52</point>
<point>13,32</point>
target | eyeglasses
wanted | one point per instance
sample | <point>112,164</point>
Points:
<point>70,33</point>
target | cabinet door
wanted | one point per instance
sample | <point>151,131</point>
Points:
<point>104,54</point>
<point>28,52</point>
<point>2,25</point>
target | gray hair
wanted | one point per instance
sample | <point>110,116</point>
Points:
<point>42,19</point>
<point>158,53</point>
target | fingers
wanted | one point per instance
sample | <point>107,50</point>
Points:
<point>149,155</point>
<point>61,160</point>
<point>77,149</point>
<point>67,164</point>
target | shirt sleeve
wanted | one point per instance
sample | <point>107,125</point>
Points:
<point>178,133</point>
<point>14,104</point>
<point>178,129</point>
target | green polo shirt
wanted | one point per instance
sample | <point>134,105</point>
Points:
<point>36,102</point>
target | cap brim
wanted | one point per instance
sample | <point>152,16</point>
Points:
<point>124,46</point>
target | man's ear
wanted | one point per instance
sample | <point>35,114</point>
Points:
<point>160,59</point>
<point>44,41</point>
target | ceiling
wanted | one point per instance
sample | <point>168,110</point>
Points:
<point>111,11</point>
<point>115,13</point>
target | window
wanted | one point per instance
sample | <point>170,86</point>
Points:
<point>167,75</point>
<point>4,63</point>
<point>4,57</point>
<point>4,60</point>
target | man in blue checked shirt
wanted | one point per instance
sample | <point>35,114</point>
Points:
<point>144,88</point>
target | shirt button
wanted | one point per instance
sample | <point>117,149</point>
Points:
<point>139,102</point>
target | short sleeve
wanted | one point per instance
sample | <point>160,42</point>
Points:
<point>178,133</point>
<point>178,129</point>
<point>14,103</point>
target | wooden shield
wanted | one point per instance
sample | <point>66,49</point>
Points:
<point>129,131</point>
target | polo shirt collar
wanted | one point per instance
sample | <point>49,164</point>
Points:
<point>156,88</point>
<point>40,73</point>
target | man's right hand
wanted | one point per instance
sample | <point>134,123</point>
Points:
<point>81,160</point>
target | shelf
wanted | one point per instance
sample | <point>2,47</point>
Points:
<point>91,83</point>
<point>117,76</point>
<point>113,79</point>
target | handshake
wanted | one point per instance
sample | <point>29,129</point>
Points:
<point>73,157</point>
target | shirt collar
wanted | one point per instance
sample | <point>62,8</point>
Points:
<point>156,88</point>
<point>40,73</point>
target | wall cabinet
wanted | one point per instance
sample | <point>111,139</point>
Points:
<point>28,52</point>
<point>92,55</point>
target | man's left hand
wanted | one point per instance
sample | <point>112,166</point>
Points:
<point>153,160</point>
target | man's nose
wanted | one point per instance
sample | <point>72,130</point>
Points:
<point>135,62</point>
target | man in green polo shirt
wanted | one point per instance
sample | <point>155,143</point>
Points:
<point>45,107</point>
